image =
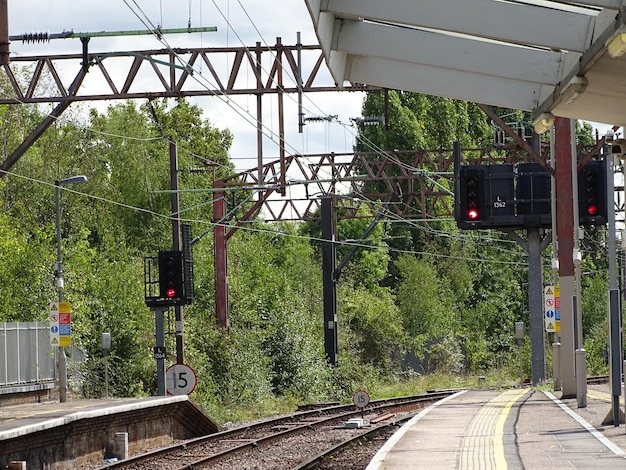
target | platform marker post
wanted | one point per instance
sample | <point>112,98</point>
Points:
<point>519,338</point>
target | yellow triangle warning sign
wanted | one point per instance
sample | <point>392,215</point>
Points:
<point>55,341</point>
<point>549,291</point>
<point>550,327</point>
<point>53,306</point>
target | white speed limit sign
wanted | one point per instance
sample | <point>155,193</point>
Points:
<point>361,399</point>
<point>180,379</point>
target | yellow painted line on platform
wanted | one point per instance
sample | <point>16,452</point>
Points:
<point>483,444</point>
<point>597,395</point>
<point>498,436</point>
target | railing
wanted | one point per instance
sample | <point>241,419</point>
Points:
<point>26,355</point>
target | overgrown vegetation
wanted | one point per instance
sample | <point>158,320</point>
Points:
<point>424,306</point>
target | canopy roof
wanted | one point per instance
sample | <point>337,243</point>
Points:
<point>535,55</point>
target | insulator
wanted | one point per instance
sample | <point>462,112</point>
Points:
<point>369,121</point>
<point>321,118</point>
<point>40,36</point>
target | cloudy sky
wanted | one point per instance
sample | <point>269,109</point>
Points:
<point>239,23</point>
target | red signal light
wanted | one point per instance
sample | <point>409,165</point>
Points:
<point>472,214</point>
<point>592,209</point>
<point>170,293</point>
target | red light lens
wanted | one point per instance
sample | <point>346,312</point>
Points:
<point>472,214</point>
<point>592,210</point>
<point>171,293</point>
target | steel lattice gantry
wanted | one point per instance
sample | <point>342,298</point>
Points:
<point>414,177</point>
<point>540,56</point>
<point>165,73</point>
<point>170,73</point>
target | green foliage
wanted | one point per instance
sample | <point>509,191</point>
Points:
<point>426,308</point>
<point>596,348</point>
<point>417,121</point>
<point>376,333</point>
<point>275,335</point>
<point>594,302</point>
<point>414,297</point>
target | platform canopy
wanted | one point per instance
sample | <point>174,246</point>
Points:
<point>564,58</point>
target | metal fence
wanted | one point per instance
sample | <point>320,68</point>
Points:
<point>26,354</point>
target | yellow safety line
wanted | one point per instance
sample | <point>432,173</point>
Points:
<point>498,437</point>
<point>600,395</point>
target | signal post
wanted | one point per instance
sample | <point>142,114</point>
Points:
<point>168,282</point>
<point>518,197</point>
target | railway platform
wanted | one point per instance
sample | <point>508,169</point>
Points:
<point>82,432</point>
<point>521,429</point>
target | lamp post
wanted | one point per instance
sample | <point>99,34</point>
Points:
<point>59,276</point>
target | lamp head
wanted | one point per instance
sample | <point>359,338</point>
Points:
<point>71,180</point>
<point>543,123</point>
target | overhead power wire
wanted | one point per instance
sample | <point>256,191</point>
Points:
<point>200,79</point>
<point>347,127</point>
<point>250,229</point>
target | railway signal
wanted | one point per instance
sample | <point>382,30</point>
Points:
<point>170,275</point>
<point>472,195</point>
<point>592,206</point>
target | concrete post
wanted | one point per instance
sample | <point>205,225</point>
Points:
<point>535,303</point>
<point>581,378</point>
<point>556,365</point>
<point>120,445</point>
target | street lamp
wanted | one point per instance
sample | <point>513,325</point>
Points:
<point>59,276</point>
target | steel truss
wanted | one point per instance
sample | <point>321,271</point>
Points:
<point>417,177</point>
<point>194,72</point>
<point>177,72</point>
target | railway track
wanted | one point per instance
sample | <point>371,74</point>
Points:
<point>299,441</point>
<point>600,379</point>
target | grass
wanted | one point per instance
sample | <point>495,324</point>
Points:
<point>274,406</point>
<point>441,381</point>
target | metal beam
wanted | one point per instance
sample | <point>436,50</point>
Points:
<point>119,75</point>
<point>4,32</point>
<point>41,128</point>
<point>564,130</point>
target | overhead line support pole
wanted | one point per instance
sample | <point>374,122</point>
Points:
<point>4,32</point>
<point>563,129</point>
<point>259,116</point>
<point>220,261</point>
<point>329,280</point>
<point>175,202</point>
<point>281,118</point>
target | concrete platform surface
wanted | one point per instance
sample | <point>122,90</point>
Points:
<point>84,433</point>
<point>17,420</point>
<point>521,429</point>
